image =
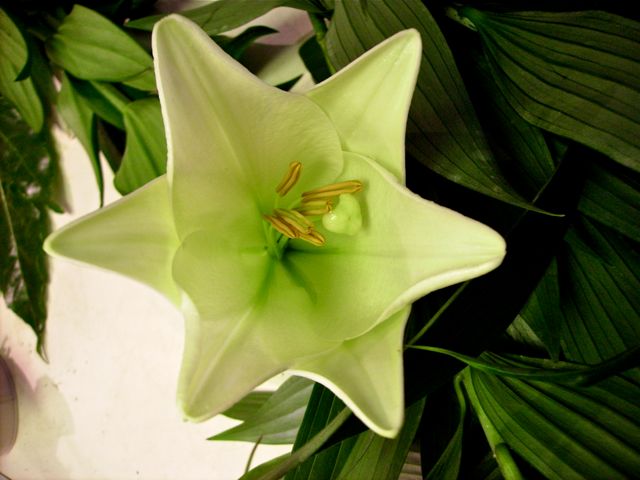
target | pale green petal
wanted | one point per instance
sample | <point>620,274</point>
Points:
<point>134,236</point>
<point>368,100</point>
<point>230,136</point>
<point>407,247</point>
<point>245,321</point>
<point>366,374</point>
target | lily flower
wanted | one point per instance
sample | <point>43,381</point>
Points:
<point>283,229</point>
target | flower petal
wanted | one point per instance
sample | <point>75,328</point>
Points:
<point>368,100</point>
<point>406,248</point>
<point>134,236</point>
<point>230,136</point>
<point>244,321</point>
<point>366,373</point>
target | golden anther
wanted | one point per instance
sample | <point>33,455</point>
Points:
<point>314,238</point>
<point>295,219</point>
<point>290,179</point>
<point>332,190</point>
<point>280,225</point>
<point>315,207</point>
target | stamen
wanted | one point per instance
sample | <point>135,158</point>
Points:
<point>295,220</point>
<point>314,237</point>
<point>332,190</point>
<point>290,179</point>
<point>315,207</point>
<point>280,225</point>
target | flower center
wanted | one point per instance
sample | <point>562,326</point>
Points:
<point>340,211</point>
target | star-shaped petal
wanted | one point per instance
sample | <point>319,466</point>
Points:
<point>265,285</point>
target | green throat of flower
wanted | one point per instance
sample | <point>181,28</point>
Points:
<point>335,204</point>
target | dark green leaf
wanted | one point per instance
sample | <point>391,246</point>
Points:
<point>278,420</point>
<point>104,99</point>
<point>28,165</point>
<point>600,281</point>
<point>80,119</point>
<point>447,467</point>
<point>286,463</point>
<point>576,74</point>
<point>91,47</point>
<point>238,45</point>
<point>528,160</point>
<point>443,131</point>
<point>13,58</point>
<point>314,59</point>
<point>224,15</point>
<point>378,457</point>
<point>248,406</point>
<point>542,312</point>
<point>145,156</point>
<point>565,432</point>
<point>612,196</point>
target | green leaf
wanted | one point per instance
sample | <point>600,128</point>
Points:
<point>278,419</point>
<point>28,166</point>
<point>381,458</point>
<point>612,196</point>
<point>599,283</point>
<point>542,312</point>
<point>14,57</point>
<point>443,131</point>
<point>145,155</point>
<point>529,368</point>
<point>236,46</point>
<point>576,74</point>
<point>80,119</point>
<point>322,408</point>
<point>447,466</point>
<point>91,47</point>
<point>565,432</point>
<point>527,157</point>
<point>248,406</point>
<point>222,15</point>
<point>104,99</point>
<point>277,468</point>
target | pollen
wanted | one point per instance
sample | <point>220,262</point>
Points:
<point>290,179</point>
<point>332,190</point>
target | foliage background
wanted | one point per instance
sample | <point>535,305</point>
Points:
<point>525,117</point>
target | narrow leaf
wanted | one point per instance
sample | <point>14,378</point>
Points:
<point>382,458</point>
<point>248,406</point>
<point>104,99</point>
<point>278,420</point>
<point>145,155</point>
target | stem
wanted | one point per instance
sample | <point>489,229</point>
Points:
<point>437,315</point>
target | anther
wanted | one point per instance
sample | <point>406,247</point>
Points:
<point>314,238</point>
<point>332,190</point>
<point>315,207</point>
<point>295,219</point>
<point>290,179</point>
<point>280,225</point>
